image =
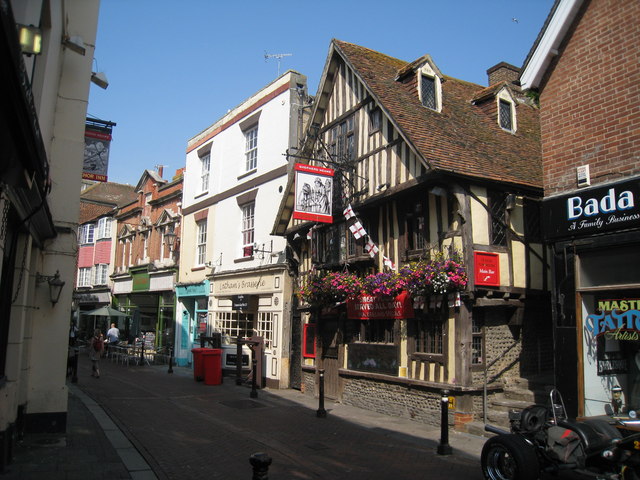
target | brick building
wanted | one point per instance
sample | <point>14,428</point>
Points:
<point>584,67</point>
<point>145,261</point>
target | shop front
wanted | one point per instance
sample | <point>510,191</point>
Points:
<point>595,235</point>
<point>248,304</point>
<point>191,319</point>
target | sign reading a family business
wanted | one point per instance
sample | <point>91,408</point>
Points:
<point>313,193</point>
<point>486,268</point>
<point>596,210</point>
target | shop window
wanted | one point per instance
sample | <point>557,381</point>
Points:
<point>234,324</point>
<point>309,340</point>
<point>600,267</point>
<point>376,331</point>
<point>429,337</point>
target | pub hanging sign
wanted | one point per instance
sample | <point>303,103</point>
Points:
<point>614,206</point>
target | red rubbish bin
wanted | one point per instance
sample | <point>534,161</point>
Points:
<point>198,366</point>
<point>212,361</point>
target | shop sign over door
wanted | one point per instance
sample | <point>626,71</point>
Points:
<point>596,210</point>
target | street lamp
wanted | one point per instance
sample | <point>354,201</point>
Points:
<point>170,240</point>
<point>55,285</point>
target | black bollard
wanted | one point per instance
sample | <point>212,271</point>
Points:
<point>238,362</point>
<point>444,448</point>
<point>321,413</point>
<point>170,360</point>
<point>142,353</point>
<point>260,462</point>
<point>74,366</point>
<point>254,361</point>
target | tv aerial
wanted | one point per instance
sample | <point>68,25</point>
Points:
<point>277,56</point>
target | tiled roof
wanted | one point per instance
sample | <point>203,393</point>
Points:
<point>92,211</point>
<point>110,193</point>
<point>462,138</point>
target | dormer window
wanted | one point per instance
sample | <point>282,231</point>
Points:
<point>430,87</point>
<point>506,111</point>
<point>428,92</point>
<point>506,119</point>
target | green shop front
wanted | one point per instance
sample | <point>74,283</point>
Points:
<point>149,300</point>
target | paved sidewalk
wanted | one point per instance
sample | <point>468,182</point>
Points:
<point>143,423</point>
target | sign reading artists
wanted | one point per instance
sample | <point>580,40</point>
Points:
<point>596,210</point>
<point>313,193</point>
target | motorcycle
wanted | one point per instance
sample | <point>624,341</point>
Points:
<point>544,440</point>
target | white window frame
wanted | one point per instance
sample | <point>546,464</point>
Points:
<point>87,233</point>
<point>100,274</point>
<point>248,226</point>
<point>251,148</point>
<point>201,242</point>
<point>104,228</point>
<point>84,277</point>
<point>205,172</point>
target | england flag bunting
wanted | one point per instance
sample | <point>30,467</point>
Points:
<point>348,212</point>
<point>310,233</point>
<point>358,230</point>
<point>388,263</point>
<point>371,248</point>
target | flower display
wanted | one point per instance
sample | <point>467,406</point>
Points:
<point>437,276</point>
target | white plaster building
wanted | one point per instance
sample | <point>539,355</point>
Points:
<point>236,171</point>
<point>45,94</point>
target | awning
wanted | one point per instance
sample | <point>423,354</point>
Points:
<point>378,308</point>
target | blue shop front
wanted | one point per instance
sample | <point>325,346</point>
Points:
<point>191,319</point>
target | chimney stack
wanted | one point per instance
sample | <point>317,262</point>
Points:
<point>503,72</point>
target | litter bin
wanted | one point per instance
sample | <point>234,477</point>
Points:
<point>198,366</point>
<point>212,362</point>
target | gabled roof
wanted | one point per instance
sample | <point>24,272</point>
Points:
<point>461,139</point>
<point>155,176</point>
<point>545,48</point>
<point>92,211</point>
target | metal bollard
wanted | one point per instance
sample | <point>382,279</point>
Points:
<point>254,392</point>
<point>321,413</point>
<point>444,448</point>
<point>142,353</point>
<point>260,462</point>
<point>170,360</point>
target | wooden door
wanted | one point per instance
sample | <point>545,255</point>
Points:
<point>329,337</point>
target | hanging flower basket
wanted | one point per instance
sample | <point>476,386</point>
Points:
<point>438,276</point>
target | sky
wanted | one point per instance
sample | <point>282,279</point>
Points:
<point>175,68</point>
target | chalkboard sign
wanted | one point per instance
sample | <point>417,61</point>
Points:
<point>368,357</point>
<point>149,340</point>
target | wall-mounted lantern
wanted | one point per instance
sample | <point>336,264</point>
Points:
<point>55,285</point>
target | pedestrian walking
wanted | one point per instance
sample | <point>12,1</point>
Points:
<point>95,352</point>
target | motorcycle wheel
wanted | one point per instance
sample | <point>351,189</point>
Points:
<point>509,457</point>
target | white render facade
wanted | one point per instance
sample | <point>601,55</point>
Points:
<point>236,173</point>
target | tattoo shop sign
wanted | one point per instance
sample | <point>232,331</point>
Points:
<point>313,193</point>
<point>595,210</point>
<point>618,319</point>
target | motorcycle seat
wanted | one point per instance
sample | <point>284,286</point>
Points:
<point>595,434</point>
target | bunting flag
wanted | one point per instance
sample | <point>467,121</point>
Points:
<point>371,248</point>
<point>310,233</point>
<point>348,212</point>
<point>358,230</point>
<point>388,263</point>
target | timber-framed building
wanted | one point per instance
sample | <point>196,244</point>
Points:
<point>425,165</point>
